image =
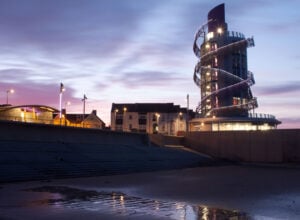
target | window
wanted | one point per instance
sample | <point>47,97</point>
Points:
<point>142,118</point>
<point>130,117</point>
<point>119,128</point>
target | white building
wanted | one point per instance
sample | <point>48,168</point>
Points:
<point>165,118</point>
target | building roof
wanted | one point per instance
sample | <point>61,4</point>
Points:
<point>28,107</point>
<point>148,107</point>
<point>78,118</point>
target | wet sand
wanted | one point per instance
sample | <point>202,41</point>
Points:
<point>225,192</point>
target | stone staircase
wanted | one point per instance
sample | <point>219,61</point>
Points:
<point>23,160</point>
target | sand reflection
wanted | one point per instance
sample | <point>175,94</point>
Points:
<point>121,204</point>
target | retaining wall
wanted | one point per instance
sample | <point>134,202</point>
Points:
<point>39,132</point>
<point>34,152</point>
<point>163,140</point>
<point>272,146</point>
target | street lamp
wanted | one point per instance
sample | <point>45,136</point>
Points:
<point>157,115</point>
<point>187,112</point>
<point>84,98</point>
<point>61,90</point>
<point>9,91</point>
<point>124,112</point>
<point>65,112</point>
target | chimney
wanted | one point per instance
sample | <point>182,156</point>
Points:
<point>94,112</point>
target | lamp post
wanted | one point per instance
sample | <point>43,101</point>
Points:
<point>116,111</point>
<point>84,98</point>
<point>61,90</point>
<point>7,92</point>
<point>65,116</point>
<point>179,118</point>
<point>124,112</point>
<point>187,112</point>
<point>157,115</point>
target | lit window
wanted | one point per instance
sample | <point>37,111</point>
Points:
<point>210,35</point>
<point>216,61</point>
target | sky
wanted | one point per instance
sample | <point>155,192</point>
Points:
<point>137,51</point>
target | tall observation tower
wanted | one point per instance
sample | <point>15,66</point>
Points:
<point>222,75</point>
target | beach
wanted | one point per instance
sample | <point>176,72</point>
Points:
<point>239,191</point>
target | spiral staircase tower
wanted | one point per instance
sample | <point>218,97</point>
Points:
<point>222,73</point>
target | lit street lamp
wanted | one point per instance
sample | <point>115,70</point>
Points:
<point>65,112</point>
<point>124,118</point>
<point>116,111</point>
<point>61,90</point>
<point>7,92</point>
<point>187,112</point>
<point>84,98</point>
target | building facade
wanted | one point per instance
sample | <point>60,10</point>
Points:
<point>227,102</point>
<point>43,114</point>
<point>79,120</point>
<point>28,113</point>
<point>164,118</point>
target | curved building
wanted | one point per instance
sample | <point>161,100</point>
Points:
<point>222,75</point>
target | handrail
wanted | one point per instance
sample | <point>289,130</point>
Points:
<point>210,54</point>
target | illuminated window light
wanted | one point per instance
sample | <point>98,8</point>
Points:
<point>210,35</point>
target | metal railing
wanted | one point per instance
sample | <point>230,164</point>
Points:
<point>260,115</point>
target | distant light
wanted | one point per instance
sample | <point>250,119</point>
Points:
<point>207,46</point>
<point>219,30</point>
<point>124,109</point>
<point>116,110</point>
<point>214,116</point>
<point>208,73</point>
<point>10,91</point>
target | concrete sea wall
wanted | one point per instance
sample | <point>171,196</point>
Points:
<point>39,132</point>
<point>43,152</point>
<point>272,146</point>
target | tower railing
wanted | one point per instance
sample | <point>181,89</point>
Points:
<point>236,81</point>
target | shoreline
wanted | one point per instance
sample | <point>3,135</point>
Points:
<point>269,192</point>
